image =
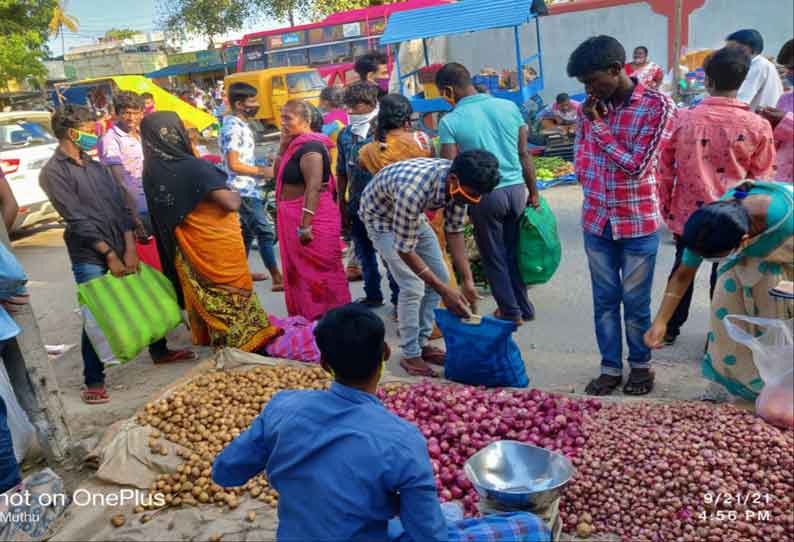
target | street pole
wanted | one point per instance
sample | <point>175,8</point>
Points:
<point>677,49</point>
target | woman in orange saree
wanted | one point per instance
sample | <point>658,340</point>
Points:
<point>198,237</point>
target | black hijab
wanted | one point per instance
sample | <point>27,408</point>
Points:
<point>174,180</point>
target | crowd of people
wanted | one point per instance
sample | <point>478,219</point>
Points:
<point>357,166</point>
<point>719,175</point>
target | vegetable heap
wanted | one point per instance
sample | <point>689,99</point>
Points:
<point>551,167</point>
<point>684,472</point>
<point>458,421</point>
<point>204,416</point>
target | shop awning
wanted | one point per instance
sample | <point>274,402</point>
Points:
<point>457,18</point>
<point>192,67</point>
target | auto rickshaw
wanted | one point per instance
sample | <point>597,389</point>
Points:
<point>276,86</point>
<point>99,92</point>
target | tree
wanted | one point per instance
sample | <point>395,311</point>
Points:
<point>60,19</point>
<point>282,10</point>
<point>327,7</point>
<point>120,34</point>
<point>23,38</point>
<point>207,18</point>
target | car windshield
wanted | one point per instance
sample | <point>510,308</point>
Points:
<point>23,134</point>
<point>304,82</point>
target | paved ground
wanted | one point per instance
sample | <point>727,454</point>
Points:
<point>559,347</point>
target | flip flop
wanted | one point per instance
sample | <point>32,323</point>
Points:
<point>258,277</point>
<point>433,355</point>
<point>94,396</point>
<point>178,355</point>
<point>416,371</point>
<point>277,288</point>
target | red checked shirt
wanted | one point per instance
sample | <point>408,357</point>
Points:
<point>615,162</point>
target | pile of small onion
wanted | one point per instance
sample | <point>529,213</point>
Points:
<point>664,473</point>
<point>458,421</point>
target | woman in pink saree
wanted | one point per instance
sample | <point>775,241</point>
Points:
<point>308,220</point>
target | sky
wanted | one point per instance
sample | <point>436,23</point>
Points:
<point>97,16</point>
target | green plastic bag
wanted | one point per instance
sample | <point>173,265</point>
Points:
<point>122,316</point>
<point>539,249</point>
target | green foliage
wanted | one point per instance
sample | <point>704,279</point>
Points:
<point>327,7</point>
<point>23,38</point>
<point>207,18</point>
<point>120,34</point>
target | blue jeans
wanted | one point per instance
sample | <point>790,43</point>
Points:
<point>368,259</point>
<point>9,469</point>
<point>416,300</point>
<point>622,273</point>
<point>93,369</point>
<point>256,225</point>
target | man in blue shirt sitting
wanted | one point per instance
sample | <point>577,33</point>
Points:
<point>343,465</point>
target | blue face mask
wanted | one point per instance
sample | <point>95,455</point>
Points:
<point>790,79</point>
<point>85,140</point>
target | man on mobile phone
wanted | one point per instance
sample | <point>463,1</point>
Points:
<point>619,133</point>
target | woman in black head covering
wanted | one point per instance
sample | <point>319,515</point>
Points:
<point>198,236</point>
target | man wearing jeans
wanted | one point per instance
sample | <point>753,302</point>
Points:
<point>99,226</point>
<point>481,121</point>
<point>237,145</point>
<point>393,209</point>
<point>618,137</point>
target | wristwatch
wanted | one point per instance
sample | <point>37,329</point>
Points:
<point>105,254</point>
<point>301,231</point>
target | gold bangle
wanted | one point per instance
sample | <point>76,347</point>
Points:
<point>423,271</point>
<point>674,296</point>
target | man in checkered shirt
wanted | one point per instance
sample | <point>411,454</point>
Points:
<point>393,209</point>
<point>619,134</point>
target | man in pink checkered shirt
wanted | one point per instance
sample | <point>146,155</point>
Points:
<point>621,127</point>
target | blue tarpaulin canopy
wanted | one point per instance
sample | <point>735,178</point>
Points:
<point>192,67</point>
<point>457,18</point>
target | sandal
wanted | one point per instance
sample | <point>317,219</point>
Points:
<point>258,277</point>
<point>498,315</point>
<point>603,385</point>
<point>433,355</point>
<point>417,371</point>
<point>174,356</point>
<point>277,287</point>
<point>369,303</point>
<point>94,396</point>
<point>436,334</point>
<point>640,382</point>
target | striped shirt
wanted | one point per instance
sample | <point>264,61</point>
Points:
<point>615,162</point>
<point>396,199</point>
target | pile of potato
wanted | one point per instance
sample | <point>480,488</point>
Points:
<point>203,417</point>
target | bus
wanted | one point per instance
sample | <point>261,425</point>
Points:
<point>331,45</point>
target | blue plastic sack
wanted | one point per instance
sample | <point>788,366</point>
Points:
<point>482,354</point>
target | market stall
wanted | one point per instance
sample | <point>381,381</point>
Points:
<point>645,470</point>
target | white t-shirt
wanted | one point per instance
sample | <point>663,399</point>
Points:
<point>762,86</point>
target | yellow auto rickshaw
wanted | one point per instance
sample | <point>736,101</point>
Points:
<point>277,86</point>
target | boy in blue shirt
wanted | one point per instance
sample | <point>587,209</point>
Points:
<point>343,465</point>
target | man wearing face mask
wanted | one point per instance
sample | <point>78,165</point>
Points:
<point>393,208</point>
<point>373,66</point>
<point>361,99</point>
<point>99,225</point>
<point>480,121</point>
<point>237,144</point>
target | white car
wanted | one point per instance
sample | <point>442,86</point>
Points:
<point>26,143</point>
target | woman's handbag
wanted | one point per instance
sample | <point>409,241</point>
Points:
<point>122,316</point>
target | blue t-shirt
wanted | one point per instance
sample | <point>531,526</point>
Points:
<point>487,123</point>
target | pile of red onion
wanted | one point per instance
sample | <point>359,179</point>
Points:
<point>458,421</point>
<point>686,472</point>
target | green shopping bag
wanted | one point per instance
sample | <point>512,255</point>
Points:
<point>122,316</point>
<point>539,249</point>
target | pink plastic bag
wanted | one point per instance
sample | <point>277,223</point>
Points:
<point>148,253</point>
<point>297,342</point>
